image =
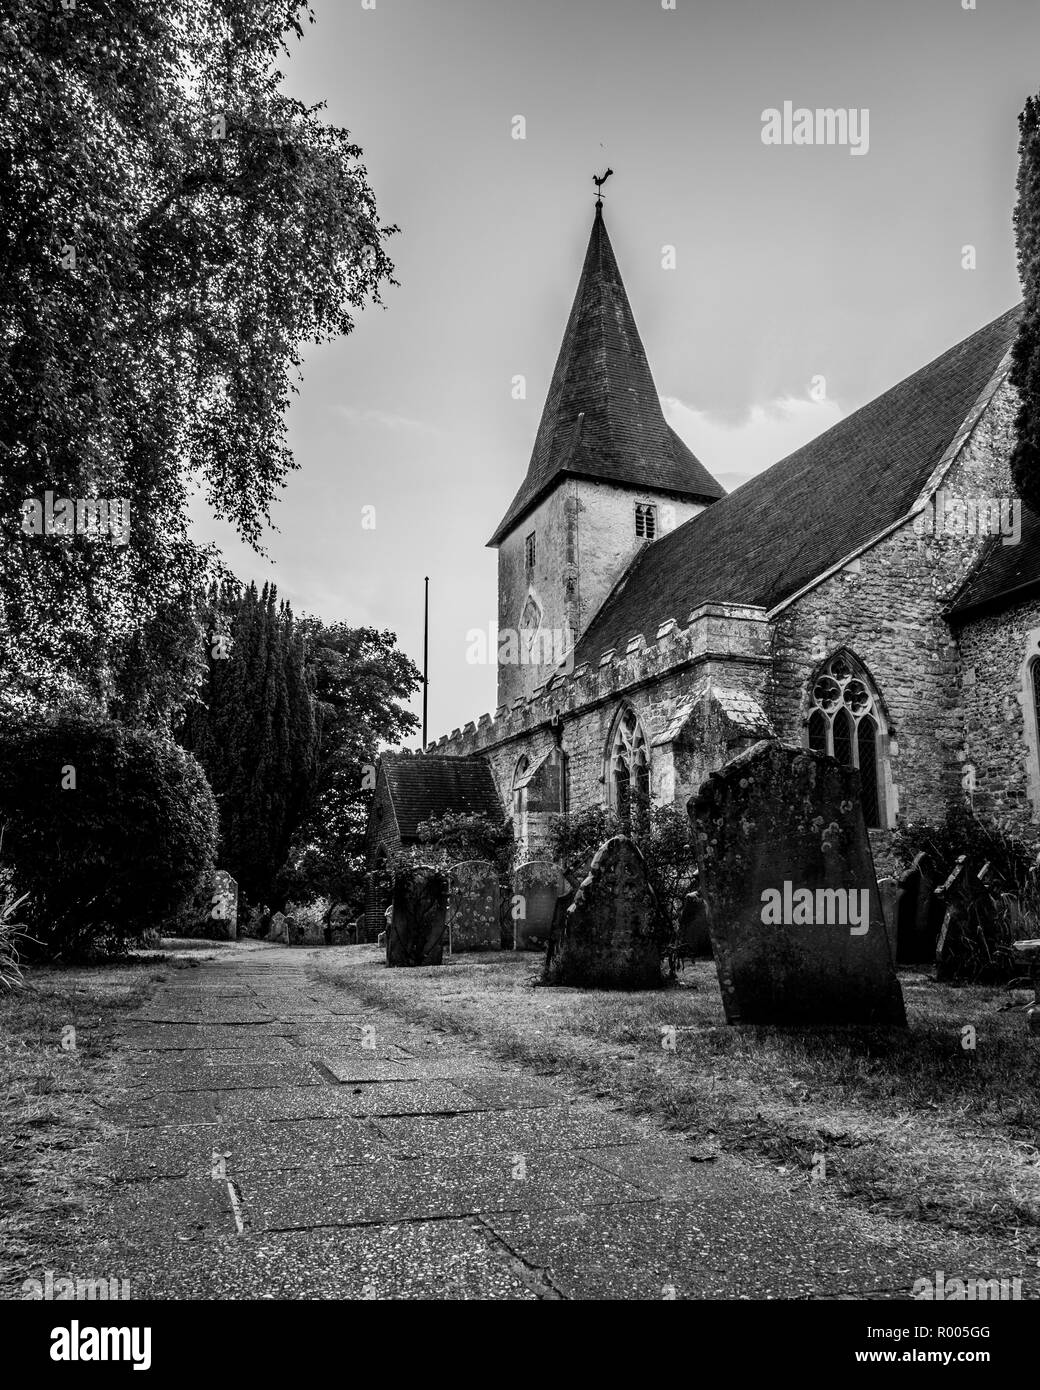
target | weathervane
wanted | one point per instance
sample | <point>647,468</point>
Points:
<point>599,182</point>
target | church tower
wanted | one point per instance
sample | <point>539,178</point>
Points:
<point>607,476</point>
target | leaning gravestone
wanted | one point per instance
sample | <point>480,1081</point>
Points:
<point>473,921</point>
<point>609,937</point>
<point>536,886</point>
<point>788,880</point>
<point>418,921</point>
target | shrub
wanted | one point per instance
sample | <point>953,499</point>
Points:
<point>107,829</point>
<point>995,910</point>
<point>309,917</point>
<point>458,836</point>
<point>663,835</point>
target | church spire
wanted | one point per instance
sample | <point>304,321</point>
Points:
<point>602,418</point>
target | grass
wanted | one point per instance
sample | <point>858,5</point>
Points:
<point>49,1116</point>
<point>910,1124</point>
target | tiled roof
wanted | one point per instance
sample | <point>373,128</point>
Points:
<point>1004,574</point>
<point>783,528</point>
<point>422,787</point>
<point>602,416</point>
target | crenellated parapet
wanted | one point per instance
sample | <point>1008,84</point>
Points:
<point>721,633</point>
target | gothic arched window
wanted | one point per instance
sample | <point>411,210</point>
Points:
<point>520,793</point>
<point>628,773</point>
<point>845,720</point>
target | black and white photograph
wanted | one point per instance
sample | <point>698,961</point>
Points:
<point>519,675</point>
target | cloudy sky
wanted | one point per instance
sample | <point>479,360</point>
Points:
<point>792,262</point>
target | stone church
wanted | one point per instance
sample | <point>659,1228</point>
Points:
<point>875,595</point>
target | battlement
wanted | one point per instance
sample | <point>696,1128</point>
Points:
<point>712,632</point>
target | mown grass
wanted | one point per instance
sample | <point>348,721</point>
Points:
<point>910,1124</point>
<point>49,1115</point>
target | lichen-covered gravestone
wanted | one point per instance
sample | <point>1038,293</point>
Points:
<point>610,932</point>
<point>473,910</point>
<point>418,920</point>
<point>279,927</point>
<point>536,886</point>
<point>788,879</point>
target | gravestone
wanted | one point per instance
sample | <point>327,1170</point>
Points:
<point>223,907</point>
<point>694,937</point>
<point>418,921</point>
<point>920,913</point>
<point>280,927</point>
<point>610,937</point>
<point>788,879</point>
<point>536,886</point>
<point>473,909</point>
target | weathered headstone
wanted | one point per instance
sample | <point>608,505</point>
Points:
<point>223,907</point>
<point>473,920</point>
<point>280,927</point>
<point>788,879</point>
<point>610,937</point>
<point>536,886</point>
<point>694,937</point>
<point>418,922</point>
<point>920,913</point>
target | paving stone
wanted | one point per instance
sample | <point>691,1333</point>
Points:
<point>286,1103</point>
<point>367,1066</point>
<point>216,1076</point>
<point>132,1109</point>
<point>408,1189</point>
<point>162,1212</point>
<point>172,1037</point>
<point>508,1091</point>
<point>508,1131</point>
<point>314,1145</point>
<point>443,1260</point>
<point>159,1152</point>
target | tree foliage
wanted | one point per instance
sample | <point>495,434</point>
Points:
<point>255,731</point>
<point>360,679</point>
<point>175,229</point>
<point>106,829</point>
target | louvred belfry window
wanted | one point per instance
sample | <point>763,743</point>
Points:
<point>845,721</point>
<point>646,521</point>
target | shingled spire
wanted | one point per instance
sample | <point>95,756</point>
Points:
<point>602,418</point>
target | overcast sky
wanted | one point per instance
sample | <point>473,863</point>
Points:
<point>792,262</point>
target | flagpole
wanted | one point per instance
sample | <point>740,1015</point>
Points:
<point>425,656</point>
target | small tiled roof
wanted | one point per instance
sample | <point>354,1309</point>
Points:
<point>785,527</point>
<point>1004,574</point>
<point>422,787</point>
<point>602,416</point>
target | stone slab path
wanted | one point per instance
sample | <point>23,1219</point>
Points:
<point>278,1139</point>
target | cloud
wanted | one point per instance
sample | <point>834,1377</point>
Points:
<point>768,433</point>
<point>386,419</point>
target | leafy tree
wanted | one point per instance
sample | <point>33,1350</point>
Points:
<point>175,228</point>
<point>106,829</point>
<point>256,731</point>
<point>359,678</point>
<point>1025,367</point>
